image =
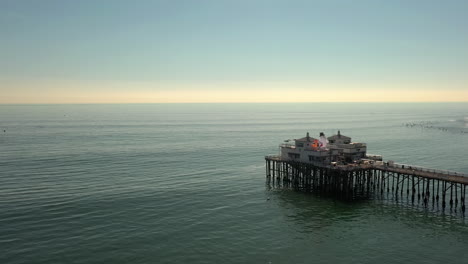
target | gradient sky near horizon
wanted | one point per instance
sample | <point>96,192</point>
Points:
<point>115,51</point>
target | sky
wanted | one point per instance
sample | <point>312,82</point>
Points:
<point>174,51</point>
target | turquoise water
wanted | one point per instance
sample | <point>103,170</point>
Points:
<point>185,183</point>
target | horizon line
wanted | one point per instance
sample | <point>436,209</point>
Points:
<point>299,102</point>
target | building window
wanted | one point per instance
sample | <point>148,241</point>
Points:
<point>294,155</point>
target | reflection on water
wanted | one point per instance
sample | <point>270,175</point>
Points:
<point>311,213</point>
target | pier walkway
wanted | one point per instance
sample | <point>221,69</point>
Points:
<point>425,172</point>
<point>366,180</point>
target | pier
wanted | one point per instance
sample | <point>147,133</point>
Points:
<point>338,167</point>
<point>443,189</point>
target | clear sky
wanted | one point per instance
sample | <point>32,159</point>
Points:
<point>69,51</point>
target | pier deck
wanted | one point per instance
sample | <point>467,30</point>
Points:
<point>427,173</point>
<point>358,180</point>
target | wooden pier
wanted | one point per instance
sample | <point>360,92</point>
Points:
<point>438,188</point>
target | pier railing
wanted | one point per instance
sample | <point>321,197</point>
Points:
<point>422,169</point>
<point>400,166</point>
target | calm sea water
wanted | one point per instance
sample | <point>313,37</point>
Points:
<point>185,183</point>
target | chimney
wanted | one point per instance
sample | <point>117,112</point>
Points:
<point>339,134</point>
<point>308,137</point>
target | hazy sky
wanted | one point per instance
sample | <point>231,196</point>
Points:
<point>232,51</point>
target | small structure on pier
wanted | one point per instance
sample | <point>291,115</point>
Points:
<point>340,167</point>
<point>337,148</point>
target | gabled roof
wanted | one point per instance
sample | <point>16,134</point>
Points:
<point>305,139</point>
<point>339,136</point>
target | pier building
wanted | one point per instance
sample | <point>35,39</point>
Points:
<point>337,148</point>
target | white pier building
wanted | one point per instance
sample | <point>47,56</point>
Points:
<point>337,149</point>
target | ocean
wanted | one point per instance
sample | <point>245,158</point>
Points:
<point>185,183</point>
